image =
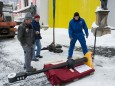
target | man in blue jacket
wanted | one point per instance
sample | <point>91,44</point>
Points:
<point>36,27</point>
<point>76,27</point>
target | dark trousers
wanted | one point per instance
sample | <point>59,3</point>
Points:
<point>28,53</point>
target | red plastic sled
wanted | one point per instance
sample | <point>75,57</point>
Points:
<point>64,75</point>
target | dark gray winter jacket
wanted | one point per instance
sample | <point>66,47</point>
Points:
<point>26,34</point>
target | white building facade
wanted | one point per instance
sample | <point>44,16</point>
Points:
<point>41,8</point>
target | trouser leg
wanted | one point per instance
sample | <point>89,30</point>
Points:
<point>71,48</point>
<point>83,44</point>
<point>28,56</point>
<point>33,57</point>
<point>38,44</point>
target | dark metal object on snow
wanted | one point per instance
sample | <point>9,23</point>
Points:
<point>53,48</point>
<point>70,63</point>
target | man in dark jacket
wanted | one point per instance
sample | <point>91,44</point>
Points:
<point>36,26</point>
<point>76,33</point>
<point>26,38</point>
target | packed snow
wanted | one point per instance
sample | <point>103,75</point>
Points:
<point>12,60</point>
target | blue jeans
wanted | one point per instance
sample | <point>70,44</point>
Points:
<point>82,41</point>
<point>38,45</point>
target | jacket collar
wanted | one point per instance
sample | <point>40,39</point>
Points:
<point>76,20</point>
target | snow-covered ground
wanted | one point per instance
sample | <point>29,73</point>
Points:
<point>12,60</point>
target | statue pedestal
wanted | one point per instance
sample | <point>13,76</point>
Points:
<point>101,18</point>
<point>101,22</point>
<point>100,31</point>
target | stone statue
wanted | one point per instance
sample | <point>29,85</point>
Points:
<point>33,9</point>
<point>104,4</point>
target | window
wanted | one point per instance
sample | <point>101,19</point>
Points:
<point>26,2</point>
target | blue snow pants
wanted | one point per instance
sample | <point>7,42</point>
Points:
<point>82,41</point>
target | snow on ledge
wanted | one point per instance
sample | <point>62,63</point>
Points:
<point>111,27</point>
<point>22,9</point>
<point>94,25</point>
<point>100,9</point>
